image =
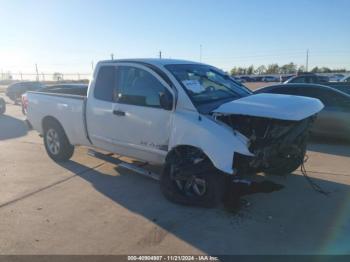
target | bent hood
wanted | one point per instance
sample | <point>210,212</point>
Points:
<point>283,107</point>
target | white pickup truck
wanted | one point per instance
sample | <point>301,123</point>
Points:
<point>192,118</point>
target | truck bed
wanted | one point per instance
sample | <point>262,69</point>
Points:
<point>79,90</point>
<point>66,105</point>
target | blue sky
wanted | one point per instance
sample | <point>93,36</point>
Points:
<point>66,35</point>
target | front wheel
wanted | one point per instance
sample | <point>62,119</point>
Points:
<point>56,143</point>
<point>189,182</point>
<point>288,163</point>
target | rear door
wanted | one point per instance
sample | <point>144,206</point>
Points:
<point>127,118</point>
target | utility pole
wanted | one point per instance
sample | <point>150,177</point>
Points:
<point>43,76</point>
<point>37,72</point>
<point>200,53</point>
<point>160,54</point>
<point>112,56</point>
<point>307,61</point>
<point>21,76</point>
<point>92,65</point>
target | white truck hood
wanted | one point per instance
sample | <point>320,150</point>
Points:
<point>283,107</point>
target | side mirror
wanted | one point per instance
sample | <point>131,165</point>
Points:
<point>165,101</point>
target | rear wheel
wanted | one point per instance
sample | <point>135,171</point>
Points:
<point>56,142</point>
<point>189,178</point>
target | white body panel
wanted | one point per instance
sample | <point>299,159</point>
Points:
<point>148,134</point>
<point>283,107</point>
<point>68,111</point>
<point>217,140</point>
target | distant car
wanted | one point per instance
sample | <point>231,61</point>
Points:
<point>284,78</point>
<point>237,79</point>
<point>247,79</point>
<point>270,79</point>
<point>15,91</point>
<point>76,89</point>
<point>345,79</point>
<point>257,79</point>
<point>308,79</point>
<point>334,119</point>
<point>336,77</point>
<point>2,106</point>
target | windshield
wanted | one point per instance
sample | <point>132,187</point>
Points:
<point>205,84</point>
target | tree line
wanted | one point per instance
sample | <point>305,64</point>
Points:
<point>274,68</point>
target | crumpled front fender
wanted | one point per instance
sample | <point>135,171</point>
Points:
<point>215,139</point>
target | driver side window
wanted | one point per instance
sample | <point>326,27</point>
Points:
<point>138,87</point>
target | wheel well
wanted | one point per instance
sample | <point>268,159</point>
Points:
<point>47,120</point>
<point>184,150</point>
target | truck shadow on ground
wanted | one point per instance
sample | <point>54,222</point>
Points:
<point>295,220</point>
<point>11,127</point>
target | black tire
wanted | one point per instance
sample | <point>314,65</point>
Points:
<point>61,152</point>
<point>205,171</point>
<point>2,106</point>
<point>287,166</point>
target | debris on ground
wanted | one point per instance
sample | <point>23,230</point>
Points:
<point>233,201</point>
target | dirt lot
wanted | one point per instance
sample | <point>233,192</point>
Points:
<point>90,207</point>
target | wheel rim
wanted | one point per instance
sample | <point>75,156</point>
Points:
<point>53,142</point>
<point>191,185</point>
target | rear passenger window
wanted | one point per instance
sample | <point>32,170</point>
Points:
<point>138,87</point>
<point>105,83</point>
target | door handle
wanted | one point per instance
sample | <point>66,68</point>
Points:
<point>118,113</point>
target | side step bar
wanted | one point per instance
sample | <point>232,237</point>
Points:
<point>110,159</point>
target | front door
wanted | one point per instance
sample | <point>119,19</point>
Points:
<point>134,124</point>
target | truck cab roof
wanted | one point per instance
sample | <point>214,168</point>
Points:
<point>153,61</point>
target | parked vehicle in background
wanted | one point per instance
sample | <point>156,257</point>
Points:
<point>270,79</point>
<point>192,118</point>
<point>336,77</point>
<point>2,106</point>
<point>257,79</point>
<point>15,91</point>
<point>73,89</point>
<point>237,79</point>
<point>345,79</point>
<point>334,119</point>
<point>308,79</point>
<point>284,78</point>
<point>246,78</point>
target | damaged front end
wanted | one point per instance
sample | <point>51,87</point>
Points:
<point>278,146</point>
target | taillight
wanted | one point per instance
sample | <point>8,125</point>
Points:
<point>25,102</point>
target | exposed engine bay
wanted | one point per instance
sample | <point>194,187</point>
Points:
<point>279,146</point>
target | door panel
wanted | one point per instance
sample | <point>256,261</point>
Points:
<point>126,117</point>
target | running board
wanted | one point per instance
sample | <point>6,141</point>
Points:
<point>110,159</point>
